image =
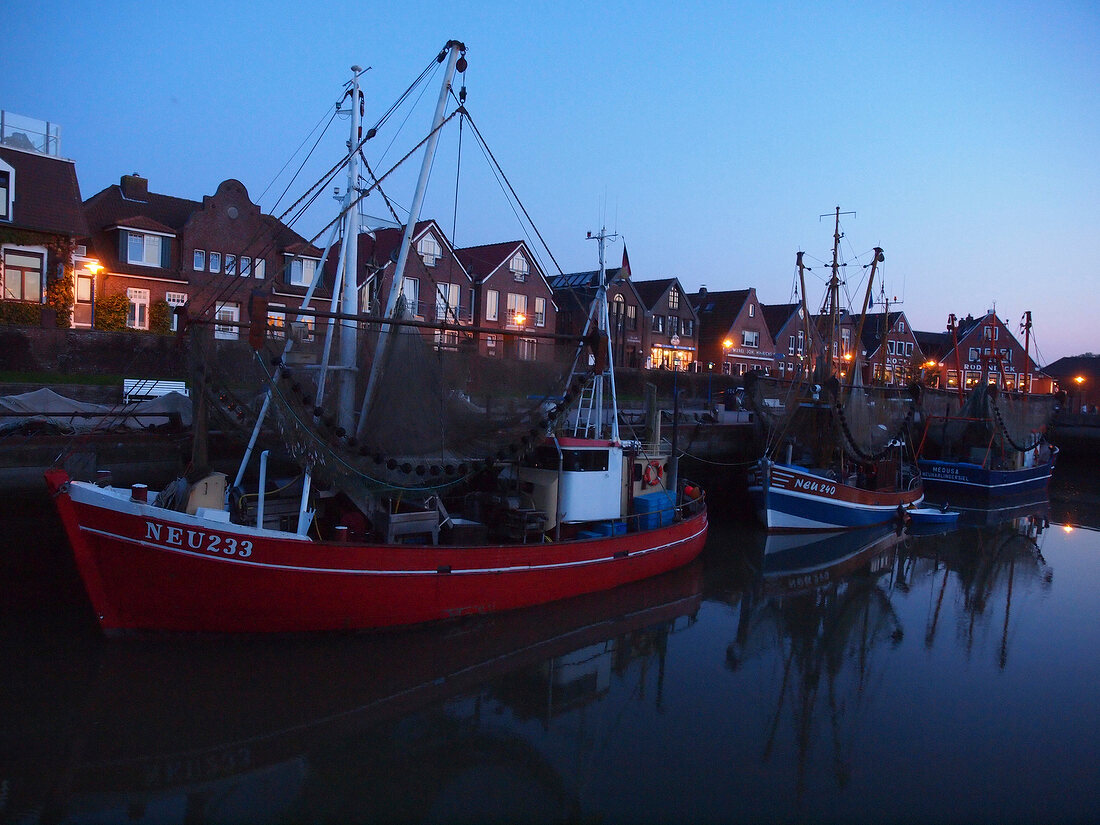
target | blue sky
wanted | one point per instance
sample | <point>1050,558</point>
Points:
<point>711,136</point>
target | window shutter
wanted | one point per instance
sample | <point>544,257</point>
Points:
<point>165,252</point>
<point>123,239</point>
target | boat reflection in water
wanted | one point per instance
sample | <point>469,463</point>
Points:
<point>823,634</point>
<point>304,728</point>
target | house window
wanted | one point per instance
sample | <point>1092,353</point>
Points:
<point>411,290</point>
<point>801,342</point>
<point>540,312</point>
<point>174,300</point>
<point>519,267</point>
<point>742,369</point>
<point>215,262</point>
<point>517,309</point>
<point>492,304</point>
<point>790,345</point>
<point>972,355</point>
<point>752,310</point>
<point>750,338</point>
<point>726,367</point>
<point>146,250</point>
<point>230,311</point>
<point>5,196</point>
<point>658,323</point>
<point>688,327</point>
<point>908,347</point>
<point>199,263</point>
<point>631,317</point>
<point>673,325</point>
<point>890,347</point>
<point>246,267</point>
<point>23,276</point>
<point>260,266</point>
<point>782,369</point>
<point>301,270</point>
<point>673,298</point>
<point>446,302</point>
<point>276,322</point>
<point>230,264</point>
<point>525,349</point>
<point>429,249</point>
<point>491,346</point>
<point>901,326</point>
<point>137,316</point>
<point>846,340</point>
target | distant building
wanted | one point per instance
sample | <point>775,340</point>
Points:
<point>734,337</point>
<point>40,215</point>
<point>981,349</point>
<point>574,293</point>
<point>206,255</point>
<point>673,324</point>
<point>1078,376</point>
<point>891,351</point>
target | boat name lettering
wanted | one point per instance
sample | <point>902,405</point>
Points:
<point>198,539</point>
<point>815,487</point>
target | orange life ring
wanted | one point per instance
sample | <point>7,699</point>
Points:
<point>652,475</point>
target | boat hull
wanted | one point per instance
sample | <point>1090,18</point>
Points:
<point>790,498</point>
<point>148,568</point>
<point>961,479</point>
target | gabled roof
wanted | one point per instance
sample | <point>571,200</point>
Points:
<point>934,345</point>
<point>873,329</point>
<point>47,194</point>
<point>148,224</point>
<point>719,306</point>
<point>776,316</point>
<point>651,291</point>
<point>486,259</point>
<point>111,208</point>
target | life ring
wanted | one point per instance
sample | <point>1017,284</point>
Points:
<point>652,475</point>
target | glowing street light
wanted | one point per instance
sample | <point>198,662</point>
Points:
<point>520,319</point>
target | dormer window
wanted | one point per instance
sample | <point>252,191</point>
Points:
<point>5,194</point>
<point>302,271</point>
<point>429,249</point>
<point>144,249</point>
<point>519,267</point>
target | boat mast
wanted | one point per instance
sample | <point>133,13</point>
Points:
<point>452,53</point>
<point>1027,353</point>
<point>599,324</point>
<point>350,293</point>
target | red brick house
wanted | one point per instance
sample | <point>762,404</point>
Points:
<point>891,352</point>
<point>574,293</point>
<point>792,336</point>
<point>734,333</point>
<point>986,348</point>
<point>207,255</point>
<point>40,220</point>
<point>511,292</point>
<point>672,324</point>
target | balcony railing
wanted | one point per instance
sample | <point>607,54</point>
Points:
<point>30,134</point>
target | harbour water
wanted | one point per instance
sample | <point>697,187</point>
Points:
<point>873,677</point>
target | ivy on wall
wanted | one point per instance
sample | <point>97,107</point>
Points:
<point>60,294</point>
<point>111,312</point>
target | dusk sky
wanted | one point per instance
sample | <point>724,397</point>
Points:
<point>710,136</point>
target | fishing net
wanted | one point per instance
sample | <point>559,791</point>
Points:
<point>439,407</point>
<point>1009,421</point>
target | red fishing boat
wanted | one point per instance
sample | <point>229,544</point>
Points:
<point>417,505</point>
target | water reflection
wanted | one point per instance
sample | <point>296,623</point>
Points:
<point>354,728</point>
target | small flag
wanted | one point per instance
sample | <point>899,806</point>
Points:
<point>625,271</point>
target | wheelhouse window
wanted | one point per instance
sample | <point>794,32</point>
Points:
<point>429,249</point>
<point>137,315</point>
<point>143,249</point>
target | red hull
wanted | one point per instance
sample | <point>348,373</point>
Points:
<point>147,568</point>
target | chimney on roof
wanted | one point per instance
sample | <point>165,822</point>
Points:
<point>134,187</point>
<point>702,290</point>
